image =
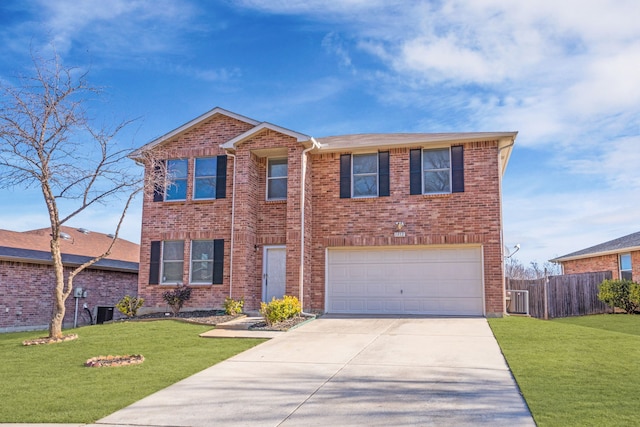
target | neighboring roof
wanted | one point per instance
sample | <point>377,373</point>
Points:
<point>34,246</point>
<point>185,127</point>
<point>626,243</point>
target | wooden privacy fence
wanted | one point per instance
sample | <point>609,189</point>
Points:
<point>563,296</point>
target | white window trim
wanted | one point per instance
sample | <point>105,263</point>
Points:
<point>286,177</point>
<point>168,182</point>
<point>377,174</point>
<point>162,261</point>
<point>620,270</point>
<point>191,260</point>
<point>195,178</point>
<point>422,171</point>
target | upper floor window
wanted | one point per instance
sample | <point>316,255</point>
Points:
<point>365,175</point>
<point>277,170</point>
<point>205,178</point>
<point>625,267</point>
<point>172,261</point>
<point>176,180</point>
<point>209,179</point>
<point>436,170</point>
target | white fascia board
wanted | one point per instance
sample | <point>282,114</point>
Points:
<point>597,254</point>
<point>189,125</point>
<point>231,144</point>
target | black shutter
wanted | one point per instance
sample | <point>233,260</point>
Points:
<point>221,177</point>
<point>457,169</point>
<point>415,171</point>
<point>345,176</point>
<point>383,173</point>
<point>218,261</point>
<point>154,263</point>
<point>158,189</point>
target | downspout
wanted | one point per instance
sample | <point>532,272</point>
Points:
<point>233,218</point>
<point>315,144</point>
<point>502,259</point>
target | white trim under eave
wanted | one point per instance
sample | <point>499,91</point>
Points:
<point>597,254</point>
<point>231,144</point>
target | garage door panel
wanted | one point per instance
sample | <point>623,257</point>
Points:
<point>437,281</point>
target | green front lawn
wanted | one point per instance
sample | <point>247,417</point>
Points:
<point>578,371</point>
<point>49,383</point>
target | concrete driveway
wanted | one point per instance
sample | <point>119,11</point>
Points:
<point>349,371</point>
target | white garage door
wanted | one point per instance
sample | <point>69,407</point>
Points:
<point>407,280</point>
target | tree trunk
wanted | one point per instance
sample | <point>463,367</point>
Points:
<point>57,315</point>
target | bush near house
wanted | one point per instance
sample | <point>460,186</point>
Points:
<point>176,298</point>
<point>279,310</point>
<point>623,294</point>
<point>233,306</point>
<point>129,305</point>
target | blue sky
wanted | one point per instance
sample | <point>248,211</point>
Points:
<point>564,74</point>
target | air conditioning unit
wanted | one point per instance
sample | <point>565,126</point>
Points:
<point>517,302</point>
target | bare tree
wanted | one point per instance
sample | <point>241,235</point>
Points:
<point>47,141</point>
<point>514,269</point>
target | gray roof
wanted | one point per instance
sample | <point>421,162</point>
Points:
<point>42,257</point>
<point>619,245</point>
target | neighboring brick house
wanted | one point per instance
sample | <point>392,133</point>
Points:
<point>27,276</point>
<point>621,256</point>
<point>371,223</point>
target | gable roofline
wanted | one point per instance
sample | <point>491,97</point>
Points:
<point>624,244</point>
<point>232,143</point>
<point>185,127</point>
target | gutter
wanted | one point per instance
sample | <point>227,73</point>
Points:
<point>233,218</point>
<point>315,144</point>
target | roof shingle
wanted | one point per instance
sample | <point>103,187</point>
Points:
<point>621,244</point>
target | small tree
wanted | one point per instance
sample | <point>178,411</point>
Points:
<point>623,294</point>
<point>48,142</point>
<point>176,298</point>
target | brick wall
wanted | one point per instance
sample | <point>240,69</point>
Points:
<point>26,290</point>
<point>472,217</point>
<point>603,263</point>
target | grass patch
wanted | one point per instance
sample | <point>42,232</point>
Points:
<point>49,383</point>
<point>575,371</point>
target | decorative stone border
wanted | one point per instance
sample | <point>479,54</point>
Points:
<point>48,340</point>
<point>126,360</point>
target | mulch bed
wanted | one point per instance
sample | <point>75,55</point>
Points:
<point>114,361</point>
<point>203,317</point>
<point>47,340</point>
<point>280,326</point>
<point>215,317</point>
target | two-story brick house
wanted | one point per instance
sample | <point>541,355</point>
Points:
<point>371,223</point>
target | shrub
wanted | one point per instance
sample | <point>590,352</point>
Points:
<point>623,294</point>
<point>279,310</point>
<point>129,305</point>
<point>233,306</point>
<point>177,297</point>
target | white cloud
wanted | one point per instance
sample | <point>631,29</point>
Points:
<point>117,28</point>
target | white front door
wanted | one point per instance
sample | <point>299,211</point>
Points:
<point>274,272</point>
